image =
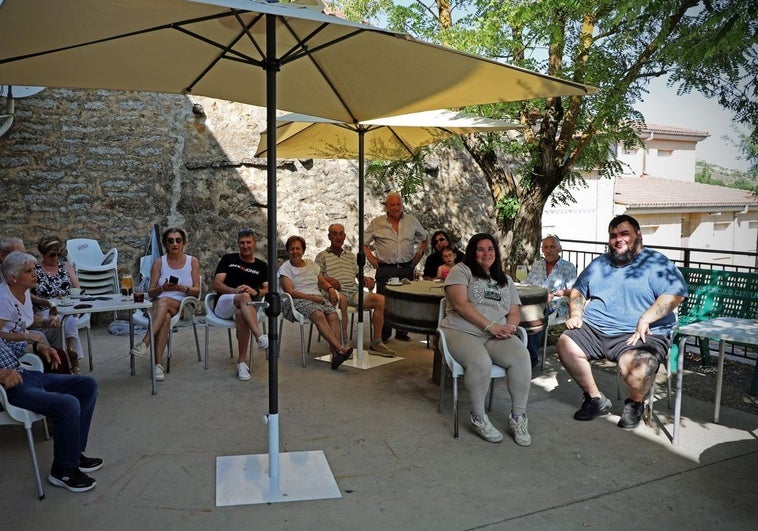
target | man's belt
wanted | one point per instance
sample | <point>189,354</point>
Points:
<point>399,266</point>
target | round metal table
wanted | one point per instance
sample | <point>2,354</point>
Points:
<point>414,306</point>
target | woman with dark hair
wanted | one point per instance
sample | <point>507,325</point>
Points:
<point>440,240</point>
<point>483,313</point>
<point>303,280</point>
<point>55,278</point>
<point>167,292</point>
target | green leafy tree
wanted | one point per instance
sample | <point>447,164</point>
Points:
<point>616,45</point>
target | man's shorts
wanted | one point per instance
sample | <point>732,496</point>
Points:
<point>597,345</point>
<point>225,307</point>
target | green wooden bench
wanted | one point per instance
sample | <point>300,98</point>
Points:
<point>714,293</point>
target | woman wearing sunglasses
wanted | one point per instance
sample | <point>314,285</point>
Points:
<point>55,278</point>
<point>167,292</point>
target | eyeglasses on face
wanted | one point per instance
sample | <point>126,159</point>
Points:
<point>174,240</point>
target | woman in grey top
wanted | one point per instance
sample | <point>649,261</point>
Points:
<point>483,313</point>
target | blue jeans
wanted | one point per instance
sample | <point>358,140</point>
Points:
<point>534,345</point>
<point>69,400</point>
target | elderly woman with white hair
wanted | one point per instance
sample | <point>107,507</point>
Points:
<point>16,312</point>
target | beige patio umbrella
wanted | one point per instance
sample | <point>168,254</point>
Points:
<point>391,138</point>
<point>288,56</point>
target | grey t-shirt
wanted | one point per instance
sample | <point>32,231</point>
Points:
<point>492,301</point>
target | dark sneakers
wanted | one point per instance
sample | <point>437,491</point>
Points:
<point>401,335</point>
<point>631,415</point>
<point>89,464</point>
<point>593,407</point>
<point>71,479</point>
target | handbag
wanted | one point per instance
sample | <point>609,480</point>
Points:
<point>64,367</point>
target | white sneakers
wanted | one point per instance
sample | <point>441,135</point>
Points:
<point>140,350</point>
<point>243,371</point>
<point>520,429</point>
<point>159,374</point>
<point>263,342</point>
<point>484,428</point>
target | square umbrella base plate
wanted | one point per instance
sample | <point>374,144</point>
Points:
<point>245,479</point>
<point>364,361</point>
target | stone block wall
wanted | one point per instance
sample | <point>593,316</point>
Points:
<point>108,165</point>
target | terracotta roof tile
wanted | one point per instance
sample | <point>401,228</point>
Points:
<point>651,192</point>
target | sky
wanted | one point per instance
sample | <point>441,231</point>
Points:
<point>693,111</point>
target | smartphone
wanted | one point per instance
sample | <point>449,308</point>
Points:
<point>173,280</point>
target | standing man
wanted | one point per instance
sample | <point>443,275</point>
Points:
<point>240,279</point>
<point>621,309</point>
<point>395,236</point>
<point>340,269</point>
<point>557,276</point>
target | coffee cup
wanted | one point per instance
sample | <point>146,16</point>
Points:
<point>75,292</point>
<point>395,280</point>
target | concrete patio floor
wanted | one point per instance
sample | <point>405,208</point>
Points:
<point>393,456</point>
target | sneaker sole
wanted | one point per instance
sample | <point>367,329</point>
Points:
<point>58,483</point>
<point>382,354</point>
<point>91,469</point>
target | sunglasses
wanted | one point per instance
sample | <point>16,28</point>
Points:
<point>174,240</point>
<point>246,232</point>
<point>440,239</point>
<point>54,254</point>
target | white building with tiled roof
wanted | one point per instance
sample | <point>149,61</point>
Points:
<point>658,188</point>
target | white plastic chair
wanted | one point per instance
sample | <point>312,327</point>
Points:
<point>302,321</point>
<point>10,414</point>
<point>554,319</point>
<point>211,319</point>
<point>87,255</point>
<point>84,323</point>
<point>456,369</point>
<point>184,317</point>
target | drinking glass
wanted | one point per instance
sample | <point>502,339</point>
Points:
<point>521,273</point>
<point>127,283</point>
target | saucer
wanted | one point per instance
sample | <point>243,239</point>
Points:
<point>394,283</point>
<point>65,303</point>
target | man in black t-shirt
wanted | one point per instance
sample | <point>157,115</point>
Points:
<point>241,278</point>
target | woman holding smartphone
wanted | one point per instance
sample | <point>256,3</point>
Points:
<point>174,276</point>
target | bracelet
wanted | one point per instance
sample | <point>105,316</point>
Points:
<point>487,328</point>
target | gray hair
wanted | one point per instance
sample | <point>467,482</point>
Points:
<point>556,240</point>
<point>14,262</point>
<point>10,244</point>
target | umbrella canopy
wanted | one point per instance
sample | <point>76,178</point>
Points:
<point>327,66</point>
<point>391,138</point>
<point>284,56</point>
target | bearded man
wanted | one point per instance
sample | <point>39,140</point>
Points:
<point>621,310</point>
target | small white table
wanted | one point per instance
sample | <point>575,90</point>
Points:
<point>724,329</point>
<point>114,303</point>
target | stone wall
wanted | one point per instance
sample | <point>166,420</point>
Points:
<point>108,165</point>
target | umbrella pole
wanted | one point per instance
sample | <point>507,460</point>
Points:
<point>361,255</point>
<point>272,297</point>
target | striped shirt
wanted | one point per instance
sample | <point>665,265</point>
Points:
<point>343,267</point>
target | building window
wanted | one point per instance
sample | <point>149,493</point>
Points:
<point>665,152</point>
